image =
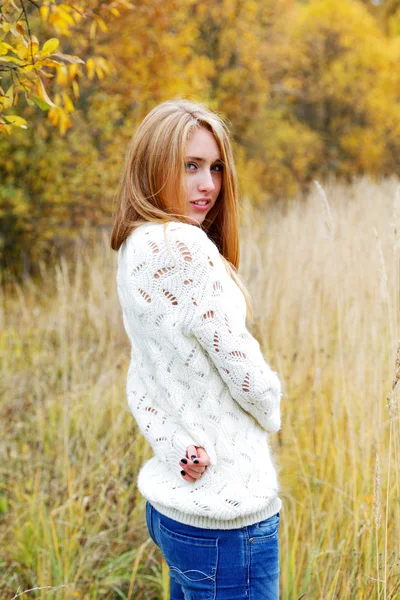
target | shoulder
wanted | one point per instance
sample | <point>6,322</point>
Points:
<point>185,229</point>
<point>157,231</point>
<point>183,239</point>
<point>191,247</point>
<point>174,229</point>
<point>191,235</point>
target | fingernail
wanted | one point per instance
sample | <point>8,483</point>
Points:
<point>196,462</point>
<point>193,457</point>
<point>183,472</point>
<point>184,461</point>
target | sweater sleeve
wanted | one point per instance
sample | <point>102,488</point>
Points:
<point>219,324</point>
<point>159,421</point>
<point>164,432</point>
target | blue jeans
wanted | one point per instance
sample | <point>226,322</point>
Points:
<point>218,564</point>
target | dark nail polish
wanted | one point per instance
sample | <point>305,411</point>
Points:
<point>196,462</point>
<point>183,472</point>
<point>193,457</point>
<point>184,461</point>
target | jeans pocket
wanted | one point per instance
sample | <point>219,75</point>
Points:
<point>266,530</point>
<point>192,562</point>
<point>264,558</point>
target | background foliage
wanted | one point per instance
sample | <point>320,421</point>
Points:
<point>309,88</point>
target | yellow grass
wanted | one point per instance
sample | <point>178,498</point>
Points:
<point>324,277</point>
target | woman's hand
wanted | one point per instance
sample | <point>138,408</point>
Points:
<point>194,464</point>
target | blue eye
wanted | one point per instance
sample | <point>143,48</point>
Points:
<point>192,166</point>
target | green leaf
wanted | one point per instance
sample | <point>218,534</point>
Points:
<point>3,505</point>
<point>41,103</point>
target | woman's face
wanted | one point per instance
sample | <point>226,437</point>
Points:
<point>203,173</point>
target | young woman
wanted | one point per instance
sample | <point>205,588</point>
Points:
<point>198,385</point>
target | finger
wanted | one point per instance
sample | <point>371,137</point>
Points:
<point>186,476</point>
<point>191,451</point>
<point>198,454</point>
<point>199,464</point>
<point>187,464</point>
<point>202,461</point>
<point>193,474</point>
<point>194,471</point>
<point>203,456</point>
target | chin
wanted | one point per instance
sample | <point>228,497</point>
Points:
<point>197,218</point>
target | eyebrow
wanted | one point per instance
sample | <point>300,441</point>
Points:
<point>202,160</point>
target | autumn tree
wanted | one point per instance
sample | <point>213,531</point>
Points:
<point>337,75</point>
<point>275,152</point>
<point>52,186</point>
<point>308,88</point>
<point>29,66</point>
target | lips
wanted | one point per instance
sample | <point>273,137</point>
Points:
<point>202,200</point>
<point>201,207</point>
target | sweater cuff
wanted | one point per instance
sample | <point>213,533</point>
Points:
<point>178,446</point>
<point>273,423</point>
<point>181,441</point>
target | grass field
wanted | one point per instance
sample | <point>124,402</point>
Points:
<point>324,278</point>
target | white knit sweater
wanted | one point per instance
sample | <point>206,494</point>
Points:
<point>197,377</point>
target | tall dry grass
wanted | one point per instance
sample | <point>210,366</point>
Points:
<point>324,277</point>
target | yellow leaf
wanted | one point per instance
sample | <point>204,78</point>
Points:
<point>48,62</point>
<point>33,47</point>
<point>62,76</point>
<point>43,94</point>
<point>9,97</point>
<point>24,53</point>
<point>6,59</point>
<point>102,24</point>
<point>115,12</point>
<point>69,58</point>
<point>65,123</point>
<point>44,12</point>
<point>92,31</point>
<point>20,29</point>
<point>49,46</point>
<point>16,120</point>
<point>5,128</point>
<point>72,69</point>
<point>53,116</point>
<point>14,31</point>
<point>8,47</point>
<point>69,107</point>
<point>90,68</point>
<point>30,68</point>
<point>75,87</point>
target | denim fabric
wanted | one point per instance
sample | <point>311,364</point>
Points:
<point>218,564</point>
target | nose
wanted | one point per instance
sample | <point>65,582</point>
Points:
<point>206,183</point>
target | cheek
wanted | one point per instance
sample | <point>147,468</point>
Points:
<point>189,185</point>
<point>187,180</point>
<point>218,183</point>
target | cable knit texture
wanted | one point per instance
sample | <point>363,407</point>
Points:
<point>197,376</point>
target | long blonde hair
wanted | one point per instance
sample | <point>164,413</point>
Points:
<point>154,162</point>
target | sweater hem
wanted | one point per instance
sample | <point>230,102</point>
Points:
<point>273,507</point>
